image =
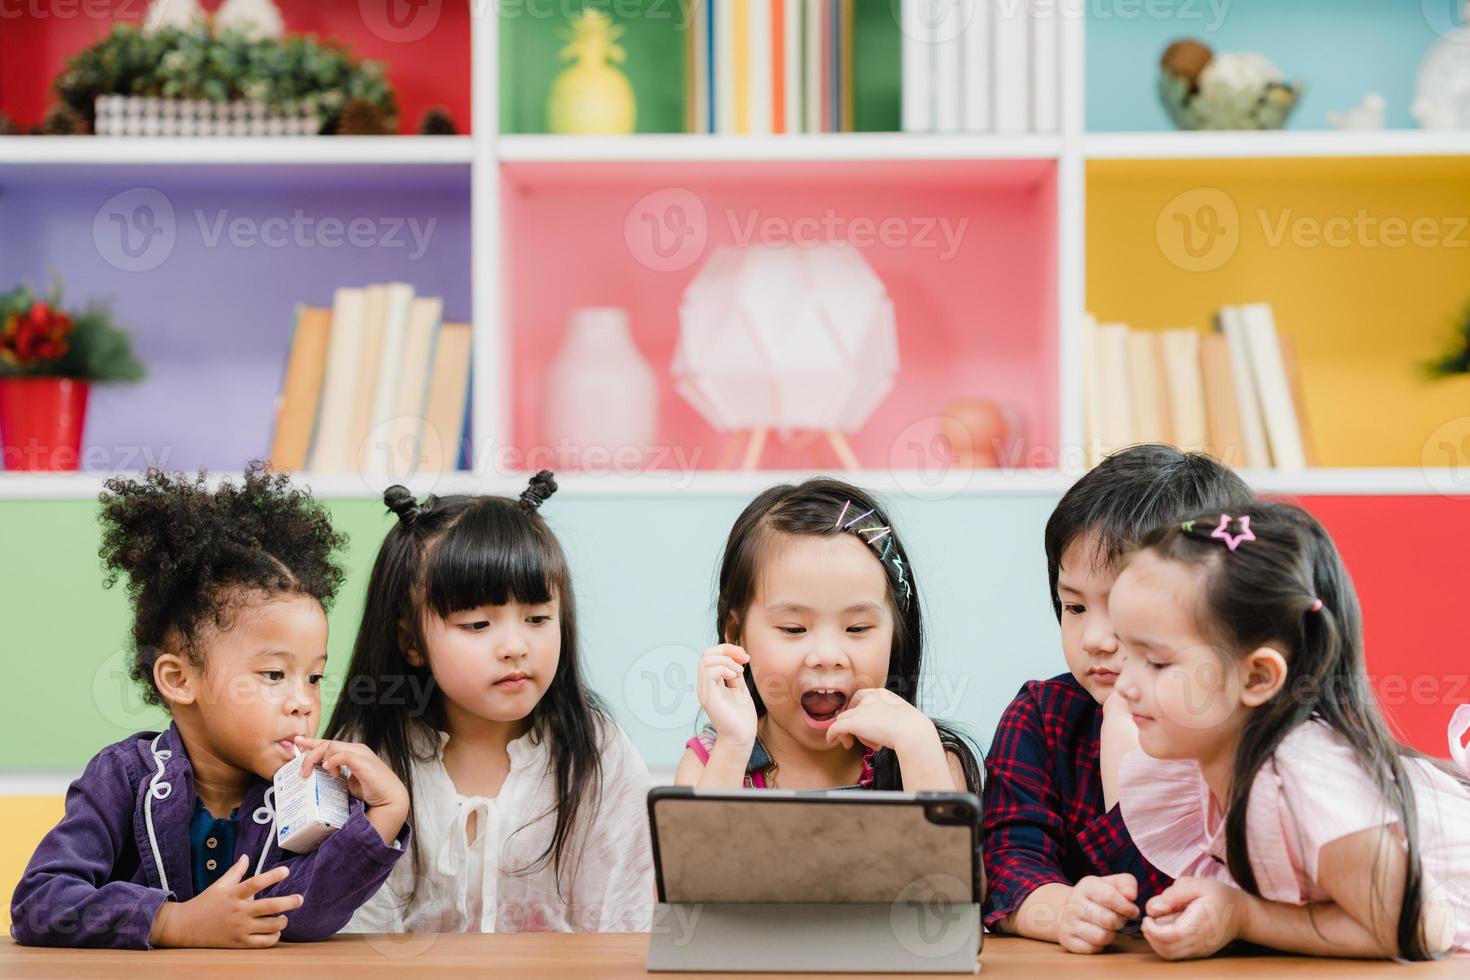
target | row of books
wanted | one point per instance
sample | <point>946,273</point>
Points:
<point>376,385</point>
<point>981,66</point>
<point>1235,393</point>
<point>761,67</point>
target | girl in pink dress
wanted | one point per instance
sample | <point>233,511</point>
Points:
<point>1268,783</point>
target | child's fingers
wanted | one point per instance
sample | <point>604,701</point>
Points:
<point>1126,884</point>
<point>235,873</point>
<point>275,906</point>
<point>1108,897</point>
<point>258,884</point>
<point>268,925</point>
<point>1088,938</point>
<point>262,940</point>
<point>1094,912</point>
<point>313,756</point>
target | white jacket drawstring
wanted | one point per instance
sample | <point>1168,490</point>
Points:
<point>266,814</point>
<point>157,790</point>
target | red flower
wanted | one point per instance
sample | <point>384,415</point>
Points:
<point>40,335</point>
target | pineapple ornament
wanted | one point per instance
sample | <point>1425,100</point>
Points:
<point>591,96</point>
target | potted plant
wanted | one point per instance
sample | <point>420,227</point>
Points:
<point>1456,357</point>
<point>189,74</point>
<point>49,358</point>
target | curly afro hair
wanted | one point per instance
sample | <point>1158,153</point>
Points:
<point>192,554</point>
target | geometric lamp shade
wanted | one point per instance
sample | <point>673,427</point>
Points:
<point>786,338</point>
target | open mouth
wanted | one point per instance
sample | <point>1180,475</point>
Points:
<point>822,705</point>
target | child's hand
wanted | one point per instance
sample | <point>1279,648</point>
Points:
<point>881,719</point>
<point>723,694</point>
<point>1194,917</point>
<point>227,915</point>
<point>1094,912</point>
<point>370,780</point>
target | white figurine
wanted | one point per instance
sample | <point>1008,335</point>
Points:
<point>1371,113</point>
<point>1443,100</point>
<point>172,13</point>
<point>255,18</point>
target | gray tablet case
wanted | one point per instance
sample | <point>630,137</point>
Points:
<point>766,880</point>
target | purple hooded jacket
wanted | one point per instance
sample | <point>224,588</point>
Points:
<point>122,850</point>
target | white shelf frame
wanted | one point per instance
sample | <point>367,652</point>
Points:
<point>486,151</point>
<point>194,150</point>
<point>1392,482</point>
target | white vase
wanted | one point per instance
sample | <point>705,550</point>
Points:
<point>600,393</point>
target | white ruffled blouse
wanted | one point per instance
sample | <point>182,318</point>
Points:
<point>478,886</point>
<point>1311,792</point>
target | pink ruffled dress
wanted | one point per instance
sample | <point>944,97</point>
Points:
<point>1311,792</point>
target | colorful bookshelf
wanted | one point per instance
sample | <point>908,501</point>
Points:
<point>531,225</point>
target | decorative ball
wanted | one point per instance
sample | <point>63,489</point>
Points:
<point>977,431</point>
<point>436,121</point>
<point>363,118</point>
<point>62,120</point>
<point>1187,58</point>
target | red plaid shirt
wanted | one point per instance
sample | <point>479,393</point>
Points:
<point>1043,817</point>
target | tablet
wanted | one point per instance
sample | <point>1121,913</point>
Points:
<point>825,881</point>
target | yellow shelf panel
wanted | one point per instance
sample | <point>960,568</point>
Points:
<point>1366,263</point>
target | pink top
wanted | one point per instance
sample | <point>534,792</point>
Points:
<point>758,769</point>
<point>1310,792</point>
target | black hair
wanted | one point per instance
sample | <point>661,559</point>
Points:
<point>1130,493</point>
<point>826,507</point>
<point>449,554</point>
<point>193,554</point>
<point>1288,589</point>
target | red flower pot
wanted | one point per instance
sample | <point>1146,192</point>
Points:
<point>41,423</point>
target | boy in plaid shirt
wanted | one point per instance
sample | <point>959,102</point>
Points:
<point>1059,863</point>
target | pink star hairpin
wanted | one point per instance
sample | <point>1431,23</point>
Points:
<point>1232,541</point>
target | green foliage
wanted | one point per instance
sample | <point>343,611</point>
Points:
<point>1456,358</point>
<point>289,75</point>
<point>97,349</point>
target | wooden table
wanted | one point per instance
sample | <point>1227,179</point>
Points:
<point>621,956</point>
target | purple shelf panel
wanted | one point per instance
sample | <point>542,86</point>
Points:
<point>206,264</point>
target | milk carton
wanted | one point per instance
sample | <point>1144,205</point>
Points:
<point>308,808</point>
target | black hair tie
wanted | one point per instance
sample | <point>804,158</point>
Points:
<point>400,501</point>
<point>542,486</point>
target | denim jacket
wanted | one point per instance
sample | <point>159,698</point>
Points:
<point>99,877</point>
